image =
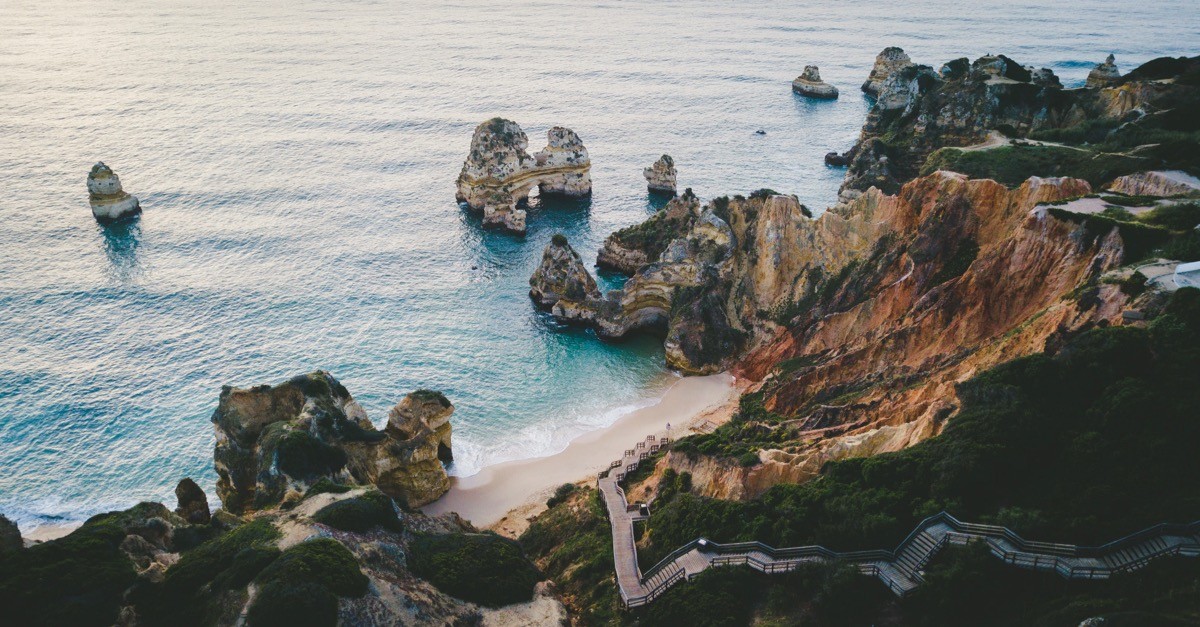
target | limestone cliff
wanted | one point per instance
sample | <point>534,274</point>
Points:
<point>560,276</point>
<point>890,60</point>
<point>628,249</point>
<point>109,202</point>
<point>499,172</point>
<point>273,442</point>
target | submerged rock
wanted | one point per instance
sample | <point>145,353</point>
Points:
<point>888,62</point>
<point>109,202</point>
<point>561,275</point>
<point>499,172</point>
<point>660,177</point>
<point>810,84</point>
<point>273,441</point>
<point>193,503</point>
<point>1104,74</point>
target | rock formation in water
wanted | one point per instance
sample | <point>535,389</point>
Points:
<point>273,443</point>
<point>560,276</point>
<point>1104,74</point>
<point>498,173</point>
<point>660,177</point>
<point>193,503</point>
<point>810,84</point>
<point>891,60</point>
<point>109,202</point>
<point>629,249</point>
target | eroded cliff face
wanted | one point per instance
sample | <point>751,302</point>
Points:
<point>277,441</point>
<point>957,275</point>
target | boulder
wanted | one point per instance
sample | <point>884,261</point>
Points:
<point>810,84</point>
<point>660,177</point>
<point>888,62</point>
<point>837,160</point>
<point>109,202</point>
<point>561,275</point>
<point>1104,74</point>
<point>273,441</point>
<point>193,503</point>
<point>498,173</point>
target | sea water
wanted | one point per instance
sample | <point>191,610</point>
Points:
<point>296,163</point>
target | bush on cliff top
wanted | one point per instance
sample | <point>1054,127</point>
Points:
<point>1012,165</point>
<point>302,586</point>
<point>480,568</point>
<point>1090,416</point>
<point>361,513</point>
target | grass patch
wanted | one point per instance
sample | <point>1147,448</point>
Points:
<point>1012,165</point>
<point>361,513</point>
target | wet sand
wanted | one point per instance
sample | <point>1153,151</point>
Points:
<point>488,496</point>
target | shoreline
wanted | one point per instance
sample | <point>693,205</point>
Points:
<point>503,496</point>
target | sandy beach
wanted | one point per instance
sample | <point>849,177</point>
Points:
<point>503,496</point>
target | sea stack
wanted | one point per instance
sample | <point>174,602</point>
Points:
<point>888,62</point>
<point>810,84</point>
<point>660,177</point>
<point>499,172</point>
<point>109,202</point>
<point>1104,74</point>
<point>561,275</point>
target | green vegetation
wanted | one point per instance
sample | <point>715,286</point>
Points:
<point>324,485</point>
<point>1139,239</point>
<point>189,595</point>
<point>433,396</point>
<point>1176,217</point>
<point>481,568</point>
<point>572,540</point>
<point>560,494</point>
<point>301,586</point>
<point>653,235</point>
<point>1169,229</point>
<point>1089,416</point>
<point>303,456</point>
<point>361,513</point>
<point>75,580</point>
<point>559,239</point>
<point>1012,165</point>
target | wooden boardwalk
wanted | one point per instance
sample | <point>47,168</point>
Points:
<point>901,569</point>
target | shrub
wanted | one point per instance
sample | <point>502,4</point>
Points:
<point>324,562</point>
<point>360,514</point>
<point>559,239</point>
<point>303,456</point>
<point>280,604</point>
<point>324,485</point>
<point>560,494</point>
<point>480,568</point>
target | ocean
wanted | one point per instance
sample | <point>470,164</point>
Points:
<point>296,163</point>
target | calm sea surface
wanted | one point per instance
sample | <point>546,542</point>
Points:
<point>296,162</point>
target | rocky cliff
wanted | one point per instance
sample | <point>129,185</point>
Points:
<point>810,84</point>
<point>499,172</point>
<point>274,442</point>
<point>660,176</point>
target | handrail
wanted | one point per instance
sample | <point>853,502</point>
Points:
<point>900,569</point>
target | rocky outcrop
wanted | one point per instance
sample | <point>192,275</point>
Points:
<point>418,442</point>
<point>1104,74</point>
<point>499,172</point>
<point>660,177</point>
<point>1160,184</point>
<point>629,249</point>
<point>891,60</point>
<point>274,442</point>
<point>109,202</point>
<point>810,84</point>
<point>560,276</point>
<point>193,503</point>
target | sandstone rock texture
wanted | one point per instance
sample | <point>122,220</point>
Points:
<point>274,442</point>
<point>891,60</point>
<point>810,84</point>
<point>193,503</point>
<point>1104,74</point>
<point>499,172</point>
<point>109,202</point>
<point>660,177</point>
<point>1161,184</point>
<point>560,276</point>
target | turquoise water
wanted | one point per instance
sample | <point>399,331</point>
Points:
<point>296,162</point>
